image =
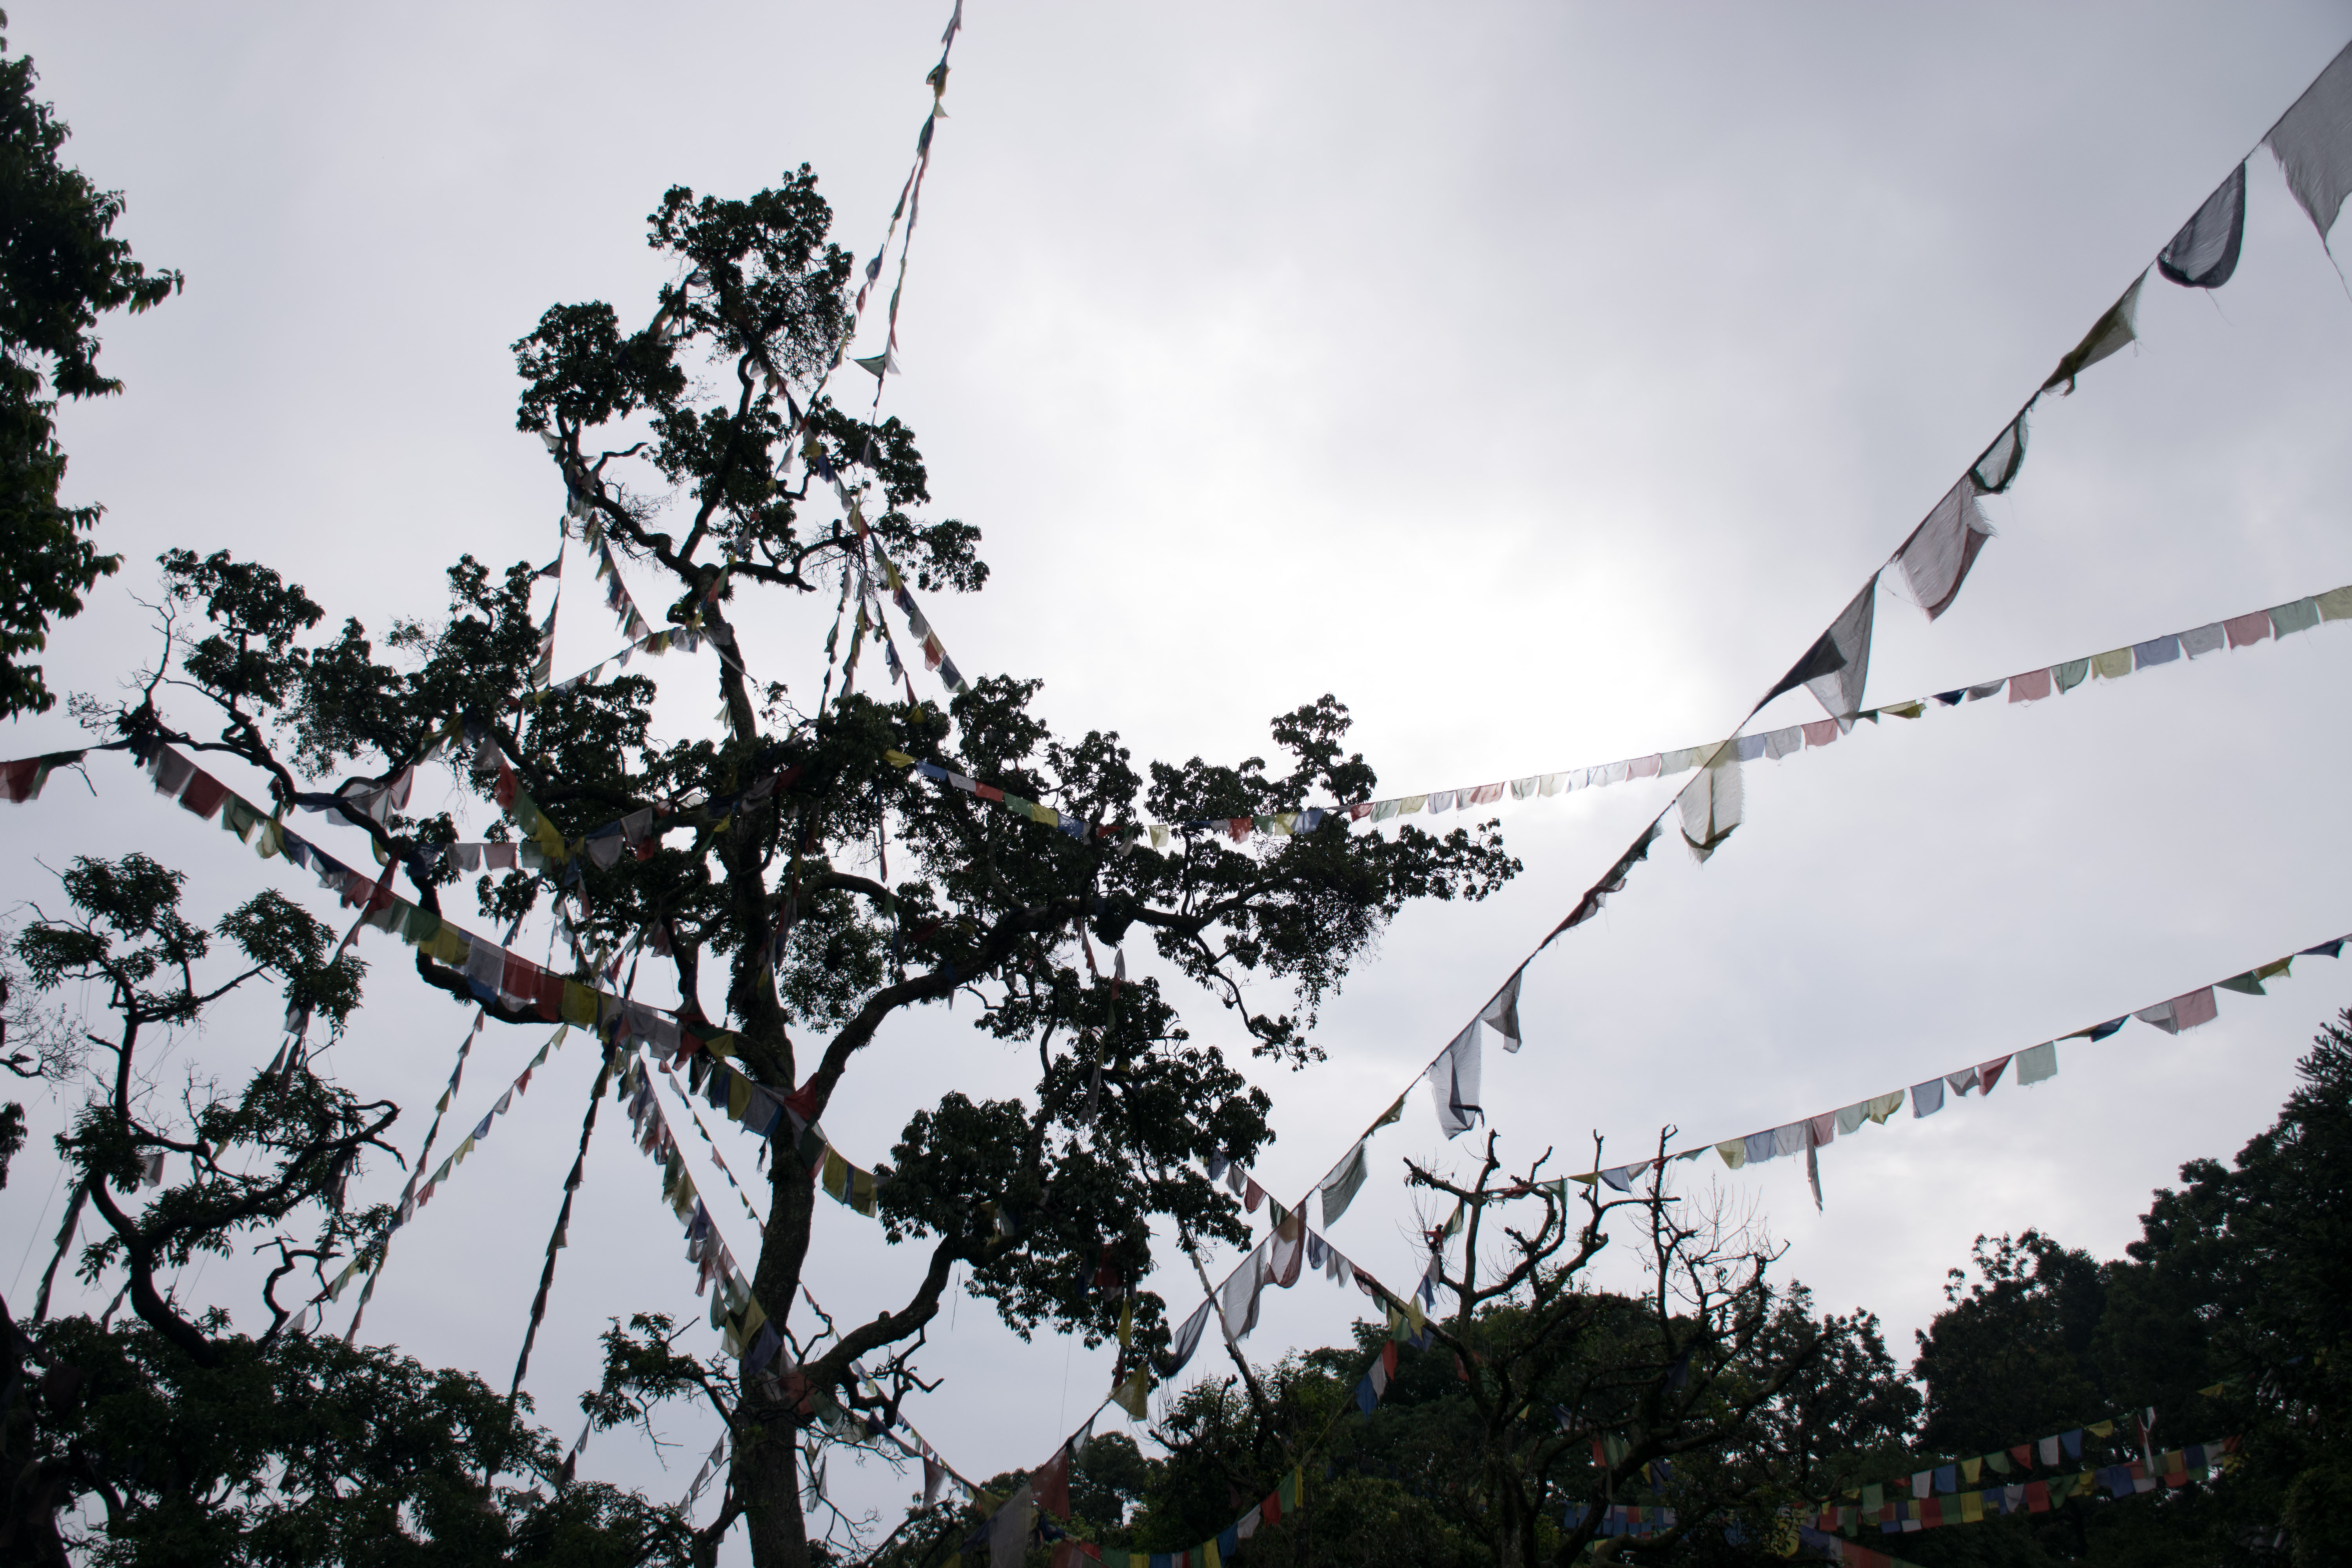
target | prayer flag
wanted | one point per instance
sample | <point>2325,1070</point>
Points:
<point>1926,1099</point>
<point>1502,1013</point>
<point>2205,252</point>
<point>1710,804</point>
<point>2244,631</point>
<point>1340,1188</point>
<point>1453,1083</point>
<point>2313,142</point>
<point>2203,640</point>
<point>1937,555</point>
<point>1836,667</point>
<point>1997,467</point>
<point>2299,616</point>
<point>2038,1063</point>
<point>2108,335</point>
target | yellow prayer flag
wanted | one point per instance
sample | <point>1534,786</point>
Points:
<point>861,1192</point>
<point>1971,1507</point>
<point>837,1175</point>
<point>898,759</point>
<point>579,1004</point>
<point>1970,1469</point>
<point>738,1096</point>
<point>2101,1429</point>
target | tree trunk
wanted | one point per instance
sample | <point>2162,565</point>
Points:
<point>767,1453</point>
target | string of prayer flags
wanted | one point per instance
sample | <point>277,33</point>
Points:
<point>492,972</point>
<point>1708,813</point>
<point>21,781</point>
<point>908,204</point>
<point>687,639</point>
<point>1033,810</point>
<point>935,653</point>
<point>1965,1502</point>
<point>2036,1064</point>
<point>744,1324</point>
<point>415,1197</point>
<point>1721,808</point>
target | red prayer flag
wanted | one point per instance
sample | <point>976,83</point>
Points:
<point>519,976</point>
<point>1270,1510</point>
<point>2246,629</point>
<point>1389,1358</point>
<point>2023,1455</point>
<point>2197,1007</point>
<point>988,792</point>
<point>204,795</point>
<point>1931,1513</point>
<point>2029,687</point>
<point>2037,1496</point>
<point>1054,1485</point>
<point>17,779</point>
<point>1988,1074</point>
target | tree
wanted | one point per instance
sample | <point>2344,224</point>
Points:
<point>2224,1318</point>
<point>2012,1351</point>
<point>61,270</point>
<point>761,879</point>
<point>2238,1284</point>
<point>187,1439</point>
<point>1532,1402</point>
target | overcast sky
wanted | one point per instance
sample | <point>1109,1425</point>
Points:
<point>1539,378</point>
